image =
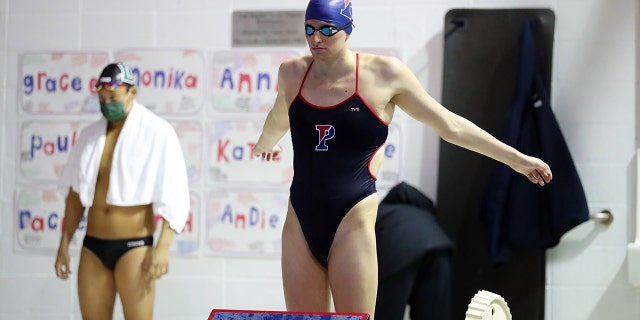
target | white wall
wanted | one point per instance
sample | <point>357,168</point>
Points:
<point>596,67</point>
<point>594,99</point>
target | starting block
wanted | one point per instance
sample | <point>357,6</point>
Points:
<point>225,314</point>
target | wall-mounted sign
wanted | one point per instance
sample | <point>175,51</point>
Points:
<point>268,28</point>
<point>247,223</point>
<point>246,81</point>
<point>60,82</point>
<point>230,159</point>
<point>38,219</point>
<point>45,147</point>
<point>170,82</point>
<point>190,136</point>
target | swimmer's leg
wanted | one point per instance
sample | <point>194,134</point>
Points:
<point>135,286</point>
<point>353,264</point>
<point>96,287</point>
<point>304,279</point>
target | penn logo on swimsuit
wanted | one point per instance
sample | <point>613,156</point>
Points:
<point>325,132</point>
<point>133,244</point>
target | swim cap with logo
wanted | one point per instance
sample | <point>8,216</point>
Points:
<point>335,12</point>
<point>116,73</point>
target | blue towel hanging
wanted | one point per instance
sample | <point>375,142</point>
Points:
<point>519,214</point>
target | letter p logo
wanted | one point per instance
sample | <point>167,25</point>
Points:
<point>325,132</point>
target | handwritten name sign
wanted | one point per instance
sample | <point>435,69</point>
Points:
<point>38,217</point>
<point>190,136</point>
<point>168,81</point>
<point>230,157</point>
<point>246,81</point>
<point>45,148</point>
<point>60,83</point>
<point>245,222</point>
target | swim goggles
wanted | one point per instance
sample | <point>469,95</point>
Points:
<point>109,85</point>
<point>327,31</point>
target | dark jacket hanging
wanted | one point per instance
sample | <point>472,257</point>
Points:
<point>518,213</point>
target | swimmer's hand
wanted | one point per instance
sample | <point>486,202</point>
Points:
<point>535,170</point>
<point>156,262</point>
<point>267,155</point>
<point>62,263</point>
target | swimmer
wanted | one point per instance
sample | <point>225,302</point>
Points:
<point>338,104</point>
<point>124,168</point>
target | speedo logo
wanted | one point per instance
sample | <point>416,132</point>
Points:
<point>133,244</point>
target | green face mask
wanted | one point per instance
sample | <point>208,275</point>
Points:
<point>113,111</point>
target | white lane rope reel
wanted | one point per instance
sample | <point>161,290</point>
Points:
<point>486,305</point>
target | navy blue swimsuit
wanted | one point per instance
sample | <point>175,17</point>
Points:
<point>333,147</point>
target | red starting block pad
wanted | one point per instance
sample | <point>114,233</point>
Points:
<point>221,314</point>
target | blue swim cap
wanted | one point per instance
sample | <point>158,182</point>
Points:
<point>335,12</point>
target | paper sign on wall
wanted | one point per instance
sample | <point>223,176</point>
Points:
<point>168,81</point>
<point>60,83</point>
<point>190,137</point>
<point>245,223</point>
<point>45,147</point>
<point>245,81</point>
<point>38,217</point>
<point>230,161</point>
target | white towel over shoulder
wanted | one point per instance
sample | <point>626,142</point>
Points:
<point>147,167</point>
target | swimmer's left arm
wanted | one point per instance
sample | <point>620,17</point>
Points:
<point>166,236</point>
<point>411,97</point>
<point>157,262</point>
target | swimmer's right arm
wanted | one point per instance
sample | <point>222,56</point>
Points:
<point>73,213</point>
<point>276,124</point>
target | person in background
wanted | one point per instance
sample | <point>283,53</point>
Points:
<point>125,168</point>
<point>338,105</point>
<point>414,257</point>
